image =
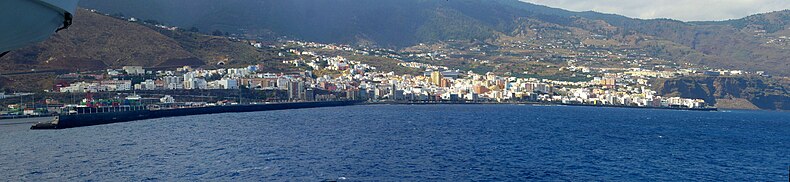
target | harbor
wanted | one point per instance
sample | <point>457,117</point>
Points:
<point>98,118</point>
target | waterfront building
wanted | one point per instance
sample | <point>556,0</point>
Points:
<point>262,83</point>
<point>228,84</point>
<point>436,78</point>
<point>296,90</point>
<point>309,94</point>
<point>392,90</point>
<point>479,89</point>
<point>282,82</point>
<point>146,85</point>
<point>195,83</point>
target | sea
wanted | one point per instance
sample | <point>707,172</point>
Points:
<point>412,143</point>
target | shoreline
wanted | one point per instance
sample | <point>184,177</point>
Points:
<point>713,109</point>
<point>81,120</point>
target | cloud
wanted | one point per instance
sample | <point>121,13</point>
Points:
<point>687,10</point>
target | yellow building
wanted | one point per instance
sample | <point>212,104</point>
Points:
<point>436,78</point>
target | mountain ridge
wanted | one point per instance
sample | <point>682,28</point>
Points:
<point>731,44</point>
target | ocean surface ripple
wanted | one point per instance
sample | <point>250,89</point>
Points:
<point>412,143</point>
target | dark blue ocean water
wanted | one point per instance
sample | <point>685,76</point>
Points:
<point>412,143</point>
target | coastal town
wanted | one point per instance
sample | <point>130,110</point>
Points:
<point>356,80</point>
<point>547,68</point>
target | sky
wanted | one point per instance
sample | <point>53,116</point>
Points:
<point>686,10</point>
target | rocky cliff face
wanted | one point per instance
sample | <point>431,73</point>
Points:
<point>761,92</point>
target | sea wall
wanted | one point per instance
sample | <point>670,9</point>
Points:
<point>71,121</point>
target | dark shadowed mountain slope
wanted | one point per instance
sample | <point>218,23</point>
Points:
<point>96,42</point>
<point>749,43</point>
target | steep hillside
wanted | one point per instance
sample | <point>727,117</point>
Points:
<point>749,91</point>
<point>752,43</point>
<point>96,42</point>
<point>385,22</point>
<point>738,44</point>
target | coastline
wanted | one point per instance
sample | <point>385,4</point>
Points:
<point>81,120</point>
<point>541,104</point>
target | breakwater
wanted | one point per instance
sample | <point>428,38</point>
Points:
<point>80,120</point>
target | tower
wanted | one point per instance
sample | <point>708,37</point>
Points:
<point>436,78</point>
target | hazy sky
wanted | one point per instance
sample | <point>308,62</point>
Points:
<point>687,10</point>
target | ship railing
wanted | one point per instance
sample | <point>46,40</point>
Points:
<point>94,110</point>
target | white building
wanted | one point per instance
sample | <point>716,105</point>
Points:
<point>229,84</point>
<point>113,72</point>
<point>134,70</point>
<point>146,85</point>
<point>195,83</point>
<point>173,82</point>
<point>117,85</point>
<point>83,87</point>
